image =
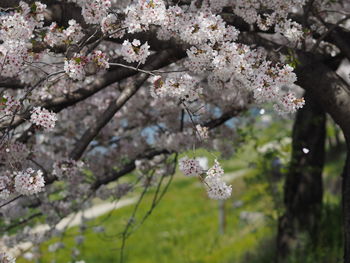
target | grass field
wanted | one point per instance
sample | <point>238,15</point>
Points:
<point>182,228</point>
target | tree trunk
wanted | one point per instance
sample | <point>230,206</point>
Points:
<point>333,93</point>
<point>303,189</point>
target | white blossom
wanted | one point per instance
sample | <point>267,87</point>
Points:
<point>94,11</point>
<point>99,59</point>
<point>29,182</point>
<point>42,117</point>
<point>216,187</point>
<point>190,167</point>
<point>71,35</point>
<point>75,67</point>
<point>177,85</point>
<point>134,51</point>
<point>202,132</point>
<point>11,105</point>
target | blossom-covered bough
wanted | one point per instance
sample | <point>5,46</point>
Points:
<point>94,89</point>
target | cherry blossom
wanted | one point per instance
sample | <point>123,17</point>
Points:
<point>193,67</point>
<point>98,58</point>
<point>57,36</point>
<point>144,13</point>
<point>291,30</point>
<point>16,28</point>
<point>11,105</point>
<point>75,67</point>
<point>29,182</point>
<point>190,167</point>
<point>202,132</point>
<point>42,117</point>
<point>216,187</point>
<point>135,52</point>
<point>95,10</point>
<point>215,170</point>
<point>177,85</point>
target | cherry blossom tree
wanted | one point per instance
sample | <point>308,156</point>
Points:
<point>105,87</point>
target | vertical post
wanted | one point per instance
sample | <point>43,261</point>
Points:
<point>222,217</point>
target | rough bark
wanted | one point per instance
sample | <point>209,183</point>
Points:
<point>303,186</point>
<point>333,94</point>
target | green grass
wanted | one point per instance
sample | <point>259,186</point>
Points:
<point>182,228</point>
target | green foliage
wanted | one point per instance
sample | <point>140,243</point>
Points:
<point>292,59</point>
<point>328,246</point>
<point>33,8</point>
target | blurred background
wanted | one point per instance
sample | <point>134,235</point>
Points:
<point>186,226</point>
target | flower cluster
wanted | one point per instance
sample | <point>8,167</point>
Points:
<point>16,31</point>
<point>11,105</point>
<point>25,182</point>
<point>78,66</point>
<point>37,9</point>
<point>289,104</point>
<point>216,187</point>
<point>214,52</point>
<point>177,85</point>
<point>199,58</point>
<point>190,167</point>
<point>42,117</point>
<point>29,182</point>
<point>254,11</point>
<point>99,59</point>
<point>16,28</point>
<point>237,62</point>
<point>57,36</point>
<point>74,67</point>
<point>196,28</point>
<point>12,57</point>
<point>290,29</point>
<point>143,14</point>
<point>94,11</point>
<point>201,28</point>
<point>134,51</point>
<point>202,132</point>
